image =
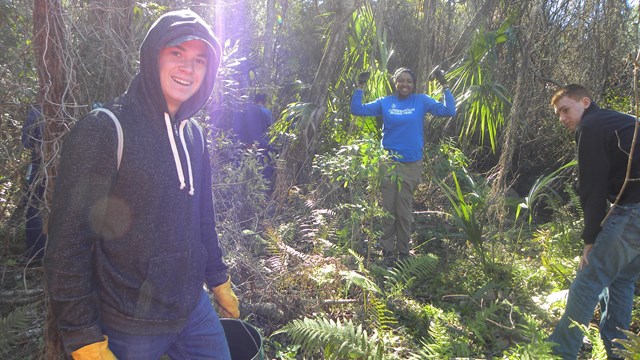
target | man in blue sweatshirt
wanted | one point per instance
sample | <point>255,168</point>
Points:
<point>403,116</point>
<point>610,263</point>
<point>132,243</point>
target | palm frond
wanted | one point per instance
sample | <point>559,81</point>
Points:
<point>482,103</point>
<point>465,215</point>
<point>537,190</point>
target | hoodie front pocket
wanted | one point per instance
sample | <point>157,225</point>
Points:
<point>162,294</point>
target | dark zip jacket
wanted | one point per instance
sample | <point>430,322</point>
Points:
<point>131,247</point>
<point>604,139</point>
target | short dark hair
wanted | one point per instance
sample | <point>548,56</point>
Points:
<point>574,91</point>
<point>260,98</point>
<point>403,70</point>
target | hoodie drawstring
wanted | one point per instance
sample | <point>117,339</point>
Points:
<point>176,156</point>
<point>184,147</point>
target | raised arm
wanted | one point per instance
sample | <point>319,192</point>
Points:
<point>445,108</point>
<point>373,108</point>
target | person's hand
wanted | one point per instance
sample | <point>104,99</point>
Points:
<point>96,351</point>
<point>226,300</point>
<point>584,261</point>
<point>363,77</point>
<point>438,74</point>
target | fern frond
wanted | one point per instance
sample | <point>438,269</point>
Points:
<point>631,346</point>
<point>412,270</point>
<point>359,259</point>
<point>446,340</point>
<point>14,324</point>
<point>536,347</point>
<point>380,316</point>
<point>335,339</point>
<point>598,350</point>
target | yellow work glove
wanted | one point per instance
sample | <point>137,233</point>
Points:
<point>226,300</point>
<point>95,351</point>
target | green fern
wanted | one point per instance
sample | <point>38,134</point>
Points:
<point>447,340</point>
<point>14,324</point>
<point>631,346</point>
<point>598,351</point>
<point>414,270</point>
<point>334,339</point>
<point>380,316</point>
<point>375,309</point>
<point>536,346</point>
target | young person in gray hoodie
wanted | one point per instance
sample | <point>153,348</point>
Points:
<point>132,239</point>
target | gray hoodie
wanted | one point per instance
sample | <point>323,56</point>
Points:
<point>131,247</point>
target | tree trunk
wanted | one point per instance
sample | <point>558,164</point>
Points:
<point>55,73</point>
<point>267,72</point>
<point>483,14</point>
<point>56,78</point>
<point>427,46</point>
<point>298,156</point>
<point>515,125</point>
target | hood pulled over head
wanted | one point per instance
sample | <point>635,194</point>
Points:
<point>171,29</point>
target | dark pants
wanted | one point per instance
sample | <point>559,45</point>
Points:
<point>34,238</point>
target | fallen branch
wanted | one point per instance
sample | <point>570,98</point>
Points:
<point>20,297</point>
<point>340,301</point>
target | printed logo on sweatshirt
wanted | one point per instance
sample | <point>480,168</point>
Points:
<point>402,111</point>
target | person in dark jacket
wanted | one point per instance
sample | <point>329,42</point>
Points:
<point>252,123</point>
<point>610,263</point>
<point>403,117</point>
<point>132,244</point>
<point>35,238</point>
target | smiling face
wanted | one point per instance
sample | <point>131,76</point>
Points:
<point>570,111</point>
<point>404,84</point>
<point>182,70</point>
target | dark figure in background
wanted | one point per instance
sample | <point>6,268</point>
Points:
<point>252,124</point>
<point>260,99</point>
<point>252,127</point>
<point>610,262</point>
<point>32,131</point>
<point>266,150</point>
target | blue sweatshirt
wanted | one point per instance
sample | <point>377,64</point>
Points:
<point>403,120</point>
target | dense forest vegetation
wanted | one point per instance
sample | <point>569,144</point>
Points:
<point>496,237</point>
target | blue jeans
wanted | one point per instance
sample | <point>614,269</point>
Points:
<point>201,338</point>
<point>610,277</point>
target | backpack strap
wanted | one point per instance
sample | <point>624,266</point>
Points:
<point>116,122</point>
<point>120,134</point>
<point>201,133</point>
